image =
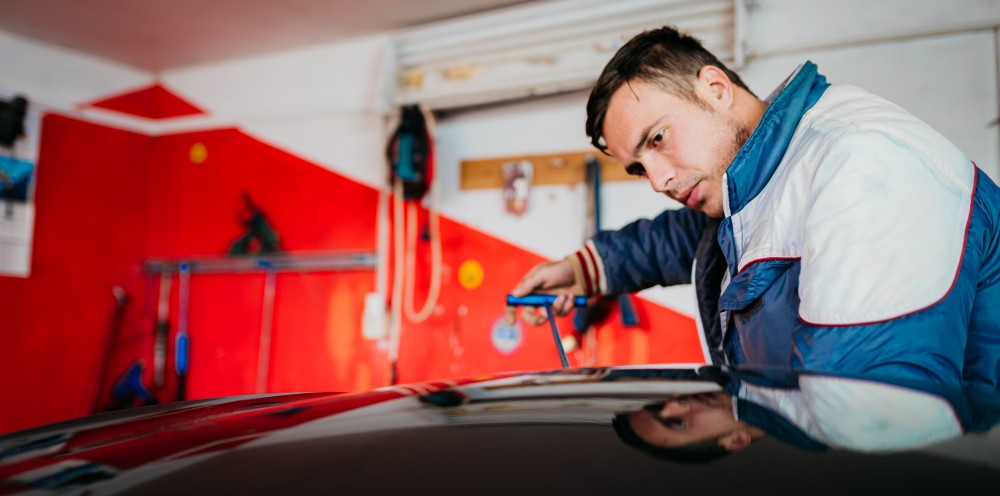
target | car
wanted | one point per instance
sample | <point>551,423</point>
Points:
<point>565,431</point>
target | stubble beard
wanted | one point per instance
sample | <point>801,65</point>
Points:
<point>740,134</point>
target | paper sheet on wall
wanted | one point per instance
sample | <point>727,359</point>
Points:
<point>17,197</point>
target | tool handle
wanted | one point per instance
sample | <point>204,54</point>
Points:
<point>160,351</point>
<point>541,300</point>
<point>625,306</point>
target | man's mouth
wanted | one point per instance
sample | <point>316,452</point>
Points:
<point>689,197</point>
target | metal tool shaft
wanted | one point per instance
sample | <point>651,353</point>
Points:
<point>556,337</point>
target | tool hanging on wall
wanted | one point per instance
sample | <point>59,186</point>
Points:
<point>410,153</point>
<point>162,329</point>
<point>129,391</point>
<point>259,236</point>
<point>598,311</point>
<point>12,114</point>
<point>112,339</point>
<point>266,328</point>
<point>182,341</point>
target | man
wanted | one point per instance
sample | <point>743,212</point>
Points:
<point>825,228</point>
<point>813,412</point>
<point>694,428</point>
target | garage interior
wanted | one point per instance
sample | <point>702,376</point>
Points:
<point>205,206</point>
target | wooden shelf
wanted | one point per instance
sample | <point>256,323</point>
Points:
<point>558,168</point>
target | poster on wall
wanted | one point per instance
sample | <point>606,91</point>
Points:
<point>19,138</point>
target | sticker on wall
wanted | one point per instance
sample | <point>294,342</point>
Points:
<point>517,185</point>
<point>198,153</point>
<point>470,274</point>
<point>506,338</point>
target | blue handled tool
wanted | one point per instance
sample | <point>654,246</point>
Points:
<point>544,300</point>
<point>583,319</point>
<point>181,352</point>
<point>541,300</point>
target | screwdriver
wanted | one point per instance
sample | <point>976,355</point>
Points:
<point>541,300</point>
<point>546,300</point>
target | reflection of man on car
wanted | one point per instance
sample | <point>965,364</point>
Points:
<point>811,411</point>
<point>692,428</point>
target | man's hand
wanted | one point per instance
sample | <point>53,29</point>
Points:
<point>550,278</point>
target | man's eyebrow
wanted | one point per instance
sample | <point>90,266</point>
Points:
<point>642,139</point>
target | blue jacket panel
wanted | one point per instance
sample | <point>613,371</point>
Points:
<point>982,352</point>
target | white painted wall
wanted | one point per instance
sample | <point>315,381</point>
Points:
<point>938,59</point>
<point>61,78</point>
<point>949,81</point>
<point>321,103</point>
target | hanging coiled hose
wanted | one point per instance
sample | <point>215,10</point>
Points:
<point>411,155</point>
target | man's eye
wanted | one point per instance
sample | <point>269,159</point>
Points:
<point>656,140</point>
<point>672,422</point>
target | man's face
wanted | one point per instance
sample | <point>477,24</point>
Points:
<point>686,420</point>
<point>681,147</point>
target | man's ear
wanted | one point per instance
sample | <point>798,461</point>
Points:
<point>736,440</point>
<point>716,87</point>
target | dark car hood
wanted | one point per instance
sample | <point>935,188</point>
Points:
<point>544,432</point>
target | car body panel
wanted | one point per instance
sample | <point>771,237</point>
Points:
<point>502,434</point>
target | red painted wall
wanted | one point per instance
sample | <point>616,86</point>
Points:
<point>456,340</point>
<point>89,234</point>
<point>107,200</point>
<point>194,210</point>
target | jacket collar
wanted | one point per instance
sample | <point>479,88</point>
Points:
<point>757,160</point>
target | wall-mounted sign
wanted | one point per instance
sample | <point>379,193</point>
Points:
<point>17,190</point>
<point>506,338</point>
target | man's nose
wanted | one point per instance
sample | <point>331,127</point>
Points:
<point>674,408</point>
<point>659,176</point>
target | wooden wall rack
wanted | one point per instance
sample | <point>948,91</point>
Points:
<point>558,168</point>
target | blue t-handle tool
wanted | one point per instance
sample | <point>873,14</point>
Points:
<point>541,300</point>
<point>544,300</point>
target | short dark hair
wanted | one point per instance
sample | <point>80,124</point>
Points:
<point>700,452</point>
<point>663,56</point>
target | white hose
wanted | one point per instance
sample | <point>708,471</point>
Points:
<point>397,273</point>
<point>404,258</point>
<point>434,290</point>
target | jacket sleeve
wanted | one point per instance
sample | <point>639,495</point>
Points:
<point>643,254</point>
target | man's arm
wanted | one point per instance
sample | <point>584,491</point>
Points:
<point>646,253</point>
<point>642,254</point>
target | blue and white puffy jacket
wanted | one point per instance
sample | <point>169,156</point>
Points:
<point>856,240</point>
